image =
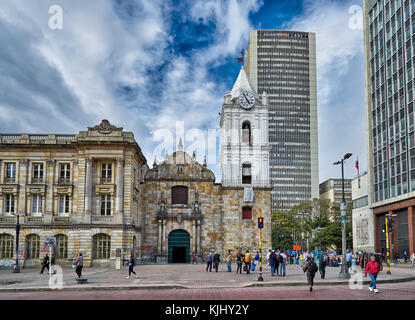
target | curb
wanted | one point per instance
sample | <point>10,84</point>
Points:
<point>178,286</point>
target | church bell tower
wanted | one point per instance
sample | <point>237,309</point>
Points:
<point>245,145</point>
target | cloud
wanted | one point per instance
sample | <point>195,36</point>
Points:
<point>340,83</point>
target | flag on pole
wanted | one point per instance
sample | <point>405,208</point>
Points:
<point>357,167</point>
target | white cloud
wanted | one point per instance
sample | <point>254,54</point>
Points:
<point>340,73</point>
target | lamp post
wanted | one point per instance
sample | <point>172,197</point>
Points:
<point>344,273</point>
<point>16,268</point>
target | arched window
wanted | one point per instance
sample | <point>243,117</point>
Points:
<point>61,246</point>
<point>101,246</point>
<point>246,132</point>
<point>32,246</point>
<point>179,195</point>
<point>6,246</point>
<point>246,173</point>
<point>247,213</point>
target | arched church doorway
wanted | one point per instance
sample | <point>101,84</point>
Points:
<point>179,247</point>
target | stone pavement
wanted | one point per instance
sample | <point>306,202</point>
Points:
<point>179,276</point>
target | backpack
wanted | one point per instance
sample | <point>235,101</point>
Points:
<point>280,258</point>
<point>312,267</point>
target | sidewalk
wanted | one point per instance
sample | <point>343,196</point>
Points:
<point>179,276</point>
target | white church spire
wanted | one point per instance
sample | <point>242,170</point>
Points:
<point>242,83</point>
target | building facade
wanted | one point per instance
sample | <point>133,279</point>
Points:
<point>283,63</point>
<point>362,216</point>
<point>332,189</point>
<point>95,193</point>
<point>83,188</point>
<point>389,42</point>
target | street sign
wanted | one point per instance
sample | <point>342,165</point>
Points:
<point>50,242</point>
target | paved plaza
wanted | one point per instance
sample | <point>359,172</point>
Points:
<point>182,276</point>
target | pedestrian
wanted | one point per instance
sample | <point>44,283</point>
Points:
<point>209,262</point>
<point>311,268</point>
<point>239,261</point>
<point>131,264</point>
<point>256,261</point>
<point>267,258</point>
<point>247,259</point>
<point>283,263</point>
<point>194,258</point>
<point>291,258</point>
<point>297,257</point>
<point>216,261</point>
<point>405,256</point>
<point>228,261</point>
<point>413,259</point>
<point>79,265</point>
<point>373,269</point>
<point>276,263</point>
<point>349,257</point>
<point>45,263</point>
<point>272,263</point>
<point>322,265</point>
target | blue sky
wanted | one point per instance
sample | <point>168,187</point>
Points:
<point>150,66</point>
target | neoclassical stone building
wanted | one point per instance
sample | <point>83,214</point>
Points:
<point>95,193</point>
<point>85,189</point>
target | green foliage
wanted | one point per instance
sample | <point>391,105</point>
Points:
<point>320,214</point>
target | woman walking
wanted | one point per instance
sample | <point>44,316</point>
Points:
<point>79,263</point>
<point>373,269</point>
<point>239,261</point>
<point>131,264</point>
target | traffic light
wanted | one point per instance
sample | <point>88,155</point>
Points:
<point>260,222</point>
<point>390,226</point>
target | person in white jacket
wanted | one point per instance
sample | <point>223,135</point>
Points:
<point>413,259</point>
<point>267,258</point>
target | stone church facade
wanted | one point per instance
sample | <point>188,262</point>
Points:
<point>95,193</point>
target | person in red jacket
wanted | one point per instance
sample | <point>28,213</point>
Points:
<point>373,268</point>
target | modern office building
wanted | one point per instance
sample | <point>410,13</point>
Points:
<point>283,64</point>
<point>332,189</point>
<point>389,42</point>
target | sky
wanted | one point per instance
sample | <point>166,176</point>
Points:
<point>160,69</point>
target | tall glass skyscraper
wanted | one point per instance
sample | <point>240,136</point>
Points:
<point>389,35</point>
<point>283,63</point>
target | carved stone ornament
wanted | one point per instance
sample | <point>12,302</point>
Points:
<point>24,163</point>
<point>120,161</point>
<point>179,218</point>
<point>89,161</point>
<point>104,127</point>
<point>75,162</point>
<point>50,163</point>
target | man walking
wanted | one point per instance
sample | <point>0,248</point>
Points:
<point>373,268</point>
<point>322,265</point>
<point>349,257</point>
<point>79,265</point>
<point>216,261</point>
<point>272,263</point>
<point>131,264</point>
<point>311,268</point>
<point>248,258</point>
<point>209,262</point>
<point>45,263</point>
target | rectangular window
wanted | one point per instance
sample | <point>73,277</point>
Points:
<point>9,208</point>
<point>64,204</point>
<point>106,173</point>
<point>36,204</point>
<point>65,170</point>
<point>37,172</point>
<point>246,213</point>
<point>105,205</point>
<point>10,172</point>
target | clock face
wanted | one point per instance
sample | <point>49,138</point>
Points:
<point>246,100</point>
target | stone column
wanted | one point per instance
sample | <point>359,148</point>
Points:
<point>159,236</point>
<point>49,178</point>
<point>194,236</point>
<point>198,236</point>
<point>22,181</point>
<point>163,240</point>
<point>88,185</point>
<point>411,229</point>
<point>119,198</point>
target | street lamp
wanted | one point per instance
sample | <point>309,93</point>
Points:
<point>16,268</point>
<point>344,273</point>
